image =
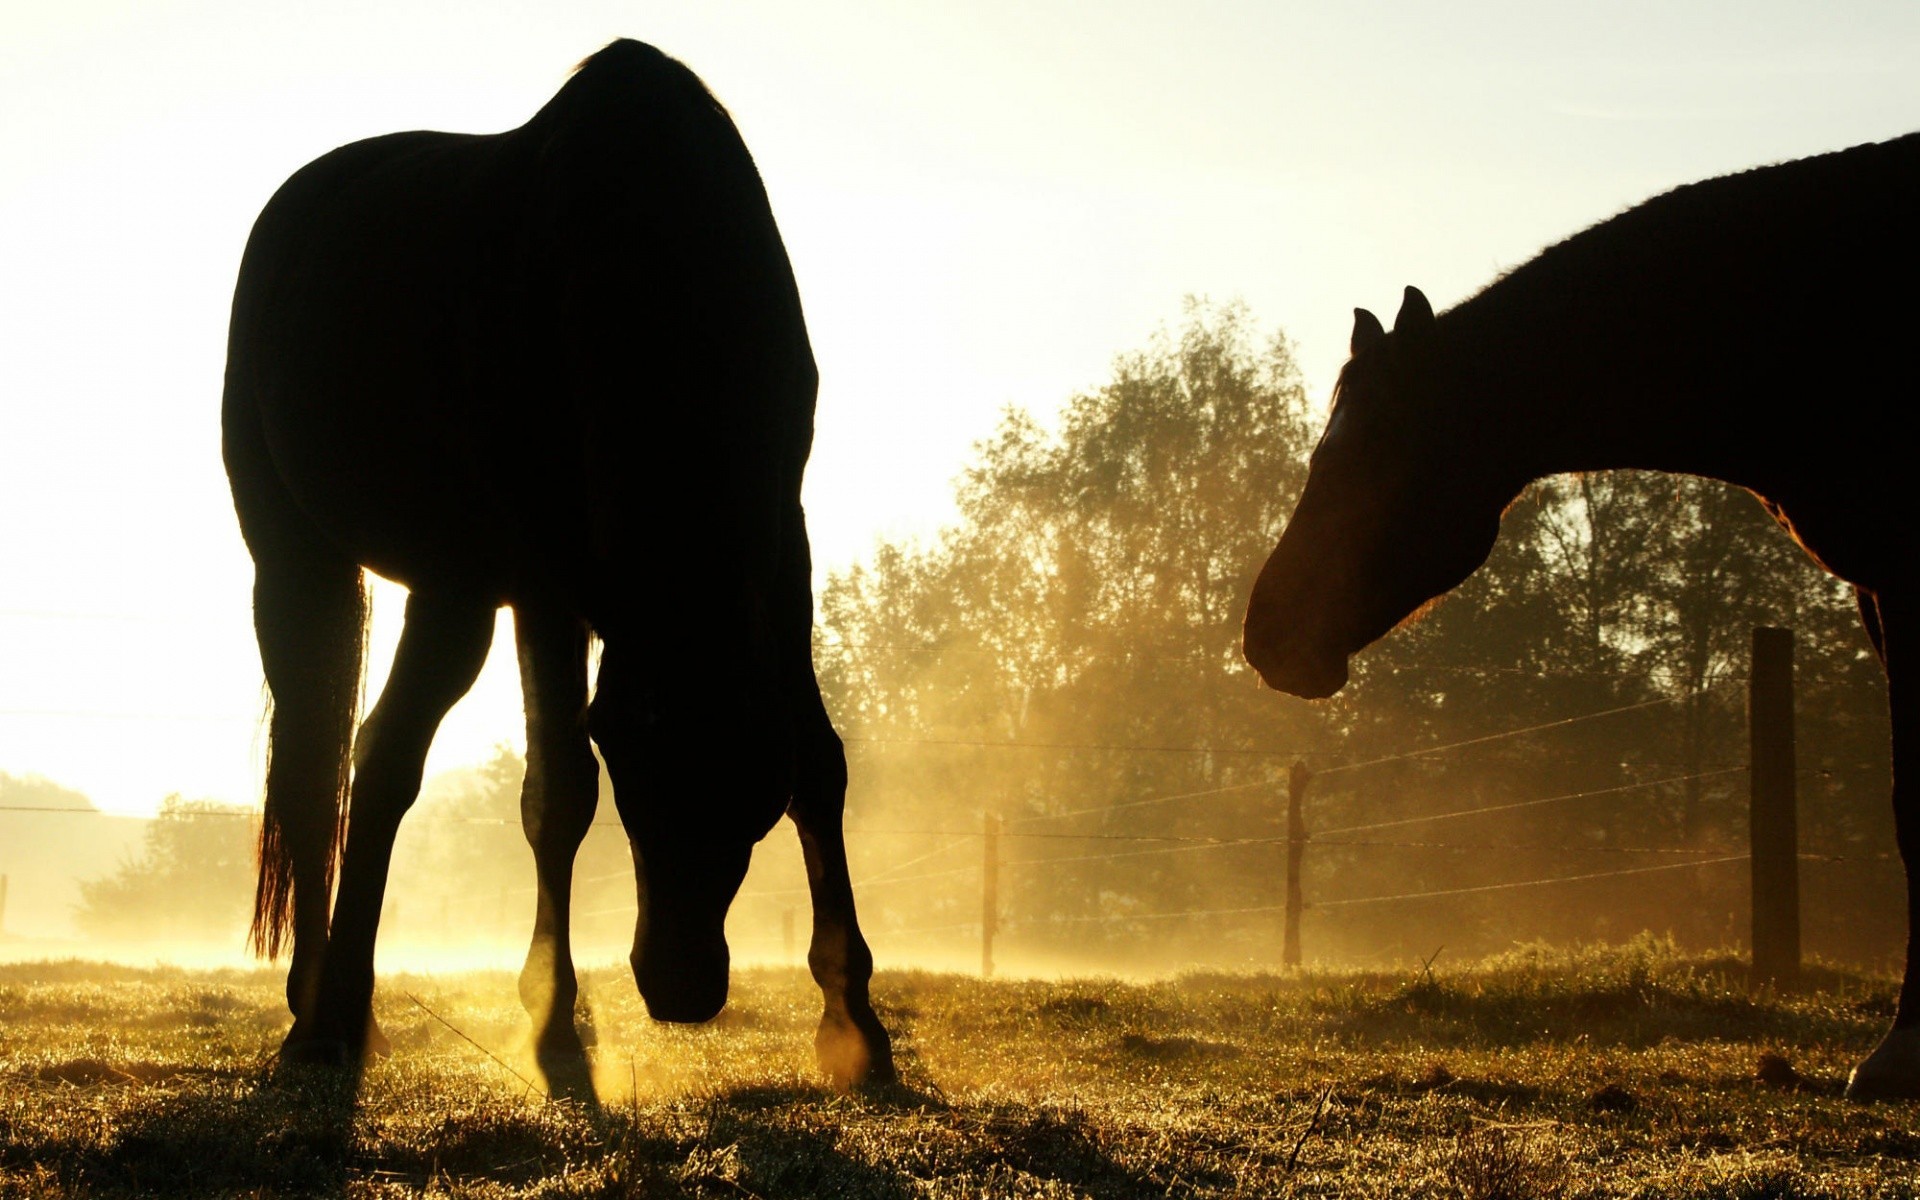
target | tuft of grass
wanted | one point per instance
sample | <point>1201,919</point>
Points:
<point>1495,1162</point>
<point>1566,1074</point>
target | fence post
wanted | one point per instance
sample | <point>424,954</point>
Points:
<point>1772,822</point>
<point>989,895</point>
<point>1297,780</point>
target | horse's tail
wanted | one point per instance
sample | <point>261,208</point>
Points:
<point>312,625</point>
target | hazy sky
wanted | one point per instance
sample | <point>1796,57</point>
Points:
<point>984,202</point>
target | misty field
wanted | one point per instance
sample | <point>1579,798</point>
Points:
<point>1620,1071</point>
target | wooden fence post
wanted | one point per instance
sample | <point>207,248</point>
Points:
<point>1772,823</point>
<point>989,895</point>
<point>1297,780</point>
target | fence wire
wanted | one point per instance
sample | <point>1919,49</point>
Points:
<point>901,873</point>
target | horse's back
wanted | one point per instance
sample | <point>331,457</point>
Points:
<point>366,336</point>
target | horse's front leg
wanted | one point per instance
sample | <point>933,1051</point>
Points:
<point>442,647</point>
<point>852,1045</point>
<point>557,803</point>
<point>1892,1071</point>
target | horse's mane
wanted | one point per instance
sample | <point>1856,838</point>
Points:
<point>1723,218</point>
<point>1340,384</point>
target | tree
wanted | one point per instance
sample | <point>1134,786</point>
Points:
<point>190,882</point>
<point>1088,604</point>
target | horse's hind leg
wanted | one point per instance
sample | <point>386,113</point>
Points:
<point>1893,1069</point>
<point>557,803</point>
<point>442,648</point>
<point>309,613</point>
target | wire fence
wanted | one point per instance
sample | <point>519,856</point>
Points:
<point>1028,828</point>
<point>1034,830</point>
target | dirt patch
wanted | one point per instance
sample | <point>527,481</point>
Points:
<point>1176,1048</point>
<point>1075,1008</point>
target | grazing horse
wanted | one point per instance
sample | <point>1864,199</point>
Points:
<point>1756,328</point>
<point>564,369</point>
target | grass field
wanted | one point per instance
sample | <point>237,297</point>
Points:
<point>1627,1071</point>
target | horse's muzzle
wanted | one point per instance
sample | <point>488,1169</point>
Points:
<point>1309,676</point>
<point>683,984</point>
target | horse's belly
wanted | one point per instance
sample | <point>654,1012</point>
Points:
<point>392,500</point>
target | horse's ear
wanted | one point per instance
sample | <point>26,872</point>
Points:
<point>1415,316</point>
<point>1366,331</point>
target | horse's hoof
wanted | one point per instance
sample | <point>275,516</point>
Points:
<point>317,1052</point>
<point>1892,1071</point>
<point>854,1053</point>
<point>321,1045</point>
<point>559,1045</point>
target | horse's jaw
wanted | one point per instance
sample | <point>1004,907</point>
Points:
<point>1308,684</point>
<point>1294,666</point>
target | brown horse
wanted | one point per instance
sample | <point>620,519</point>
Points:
<point>562,368</point>
<point>1755,328</point>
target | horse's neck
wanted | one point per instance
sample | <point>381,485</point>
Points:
<point>1567,383</point>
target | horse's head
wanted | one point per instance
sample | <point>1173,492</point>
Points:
<point>701,763</point>
<point>1397,510</point>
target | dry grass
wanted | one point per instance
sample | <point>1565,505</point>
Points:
<point>1630,1071</point>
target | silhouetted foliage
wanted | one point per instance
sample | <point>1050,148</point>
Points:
<point>190,881</point>
<point>1090,598</point>
<point>33,793</point>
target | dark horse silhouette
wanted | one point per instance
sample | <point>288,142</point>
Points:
<point>562,368</point>
<point>1756,328</point>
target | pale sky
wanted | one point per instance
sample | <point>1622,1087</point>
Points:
<point>984,202</point>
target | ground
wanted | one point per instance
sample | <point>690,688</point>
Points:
<point>1625,1071</point>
